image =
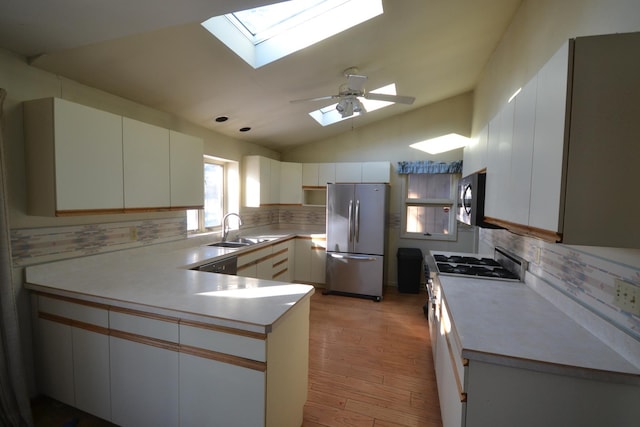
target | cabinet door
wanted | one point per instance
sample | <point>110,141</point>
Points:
<point>91,372</point>
<point>310,174</point>
<point>88,158</point>
<point>146,165</point>
<point>521,154</point>
<point>475,153</point>
<point>326,173</point>
<point>318,261</point>
<point>274,183</point>
<point>548,143</point>
<point>349,172</point>
<point>187,170</point>
<point>290,183</point>
<point>499,164</point>
<point>241,402</point>
<point>492,195</point>
<point>144,384</point>
<point>302,270</point>
<point>376,172</point>
<point>54,360</point>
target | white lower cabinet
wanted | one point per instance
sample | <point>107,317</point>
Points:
<point>136,368</point>
<point>72,354</point>
<point>222,377</point>
<point>310,260</point>
<point>143,384</point>
<point>480,392</point>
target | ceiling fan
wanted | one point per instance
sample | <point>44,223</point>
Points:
<point>350,92</point>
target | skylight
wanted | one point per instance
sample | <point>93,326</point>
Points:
<point>265,34</point>
<point>329,115</point>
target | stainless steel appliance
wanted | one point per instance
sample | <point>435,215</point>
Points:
<point>356,239</point>
<point>471,191</point>
<point>227,265</point>
<point>503,266</point>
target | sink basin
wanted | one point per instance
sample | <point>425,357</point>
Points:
<point>242,242</point>
<point>231,244</point>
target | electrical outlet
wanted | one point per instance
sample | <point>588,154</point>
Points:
<point>537,253</point>
<point>133,233</point>
<point>628,297</point>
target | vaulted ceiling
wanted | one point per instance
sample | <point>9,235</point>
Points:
<point>155,52</point>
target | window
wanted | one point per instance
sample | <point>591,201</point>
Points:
<point>218,196</point>
<point>430,201</point>
<point>265,34</point>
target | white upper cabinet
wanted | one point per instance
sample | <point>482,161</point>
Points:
<point>187,170</point>
<point>290,183</point>
<point>318,174</point>
<point>257,181</point>
<point>475,154</point>
<point>146,165</point>
<point>492,195</point>
<point>575,146</point>
<point>548,145</point>
<point>519,184</point>
<point>82,161</point>
<point>349,172</point>
<point>74,158</point>
<point>376,172</point>
<point>326,173</point>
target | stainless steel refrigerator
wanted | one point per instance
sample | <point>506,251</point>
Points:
<point>356,239</point>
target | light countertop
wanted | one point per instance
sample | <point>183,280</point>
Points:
<point>158,279</point>
<point>509,323</point>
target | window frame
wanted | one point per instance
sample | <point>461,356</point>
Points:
<point>451,203</point>
<point>201,229</point>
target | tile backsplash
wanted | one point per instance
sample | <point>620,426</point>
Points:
<point>583,274</point>
<point>46,244</point>
<point>37,245</point>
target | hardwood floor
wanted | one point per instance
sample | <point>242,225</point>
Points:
<point>370,363</point>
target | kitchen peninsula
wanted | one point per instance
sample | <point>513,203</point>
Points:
<point>139,338</point>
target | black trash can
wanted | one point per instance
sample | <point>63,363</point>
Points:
<point>409,269</point>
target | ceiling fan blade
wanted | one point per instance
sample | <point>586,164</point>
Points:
<point>389,98</point>
<point>356,82</point>
<point>321,98</point>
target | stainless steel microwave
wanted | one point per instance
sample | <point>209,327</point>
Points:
<point>471,191</point>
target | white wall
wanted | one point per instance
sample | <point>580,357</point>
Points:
<point>536,32</point>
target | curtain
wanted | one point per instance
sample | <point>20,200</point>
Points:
<point>427,166</point>
<point>14,401</point>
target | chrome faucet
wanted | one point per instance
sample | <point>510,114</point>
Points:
<point>225,228</point>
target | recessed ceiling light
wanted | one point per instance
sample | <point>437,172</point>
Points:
<point>245,129</point>
<point>221,119</point>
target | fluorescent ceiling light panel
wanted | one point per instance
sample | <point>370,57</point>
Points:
<point>265,34</point>
<point>329,115</point>
<point>441,144</point>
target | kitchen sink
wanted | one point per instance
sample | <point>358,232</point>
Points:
<point>231,244</point>
<point>242,242</point>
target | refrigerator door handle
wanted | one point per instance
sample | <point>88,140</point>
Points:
<point>350,221</point>
<point>355,257</point>
<point>357,222</point>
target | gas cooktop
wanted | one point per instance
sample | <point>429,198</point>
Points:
<point>504,265</point>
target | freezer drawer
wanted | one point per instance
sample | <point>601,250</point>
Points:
<point>355,274</point>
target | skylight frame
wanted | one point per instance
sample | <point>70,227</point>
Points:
<point>300,36</point>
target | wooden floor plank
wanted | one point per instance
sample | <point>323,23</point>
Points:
<point>370,363</point>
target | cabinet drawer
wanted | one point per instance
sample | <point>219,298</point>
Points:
<point>145,326</point>
<point>249,346</point>
<point>85,313</point>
